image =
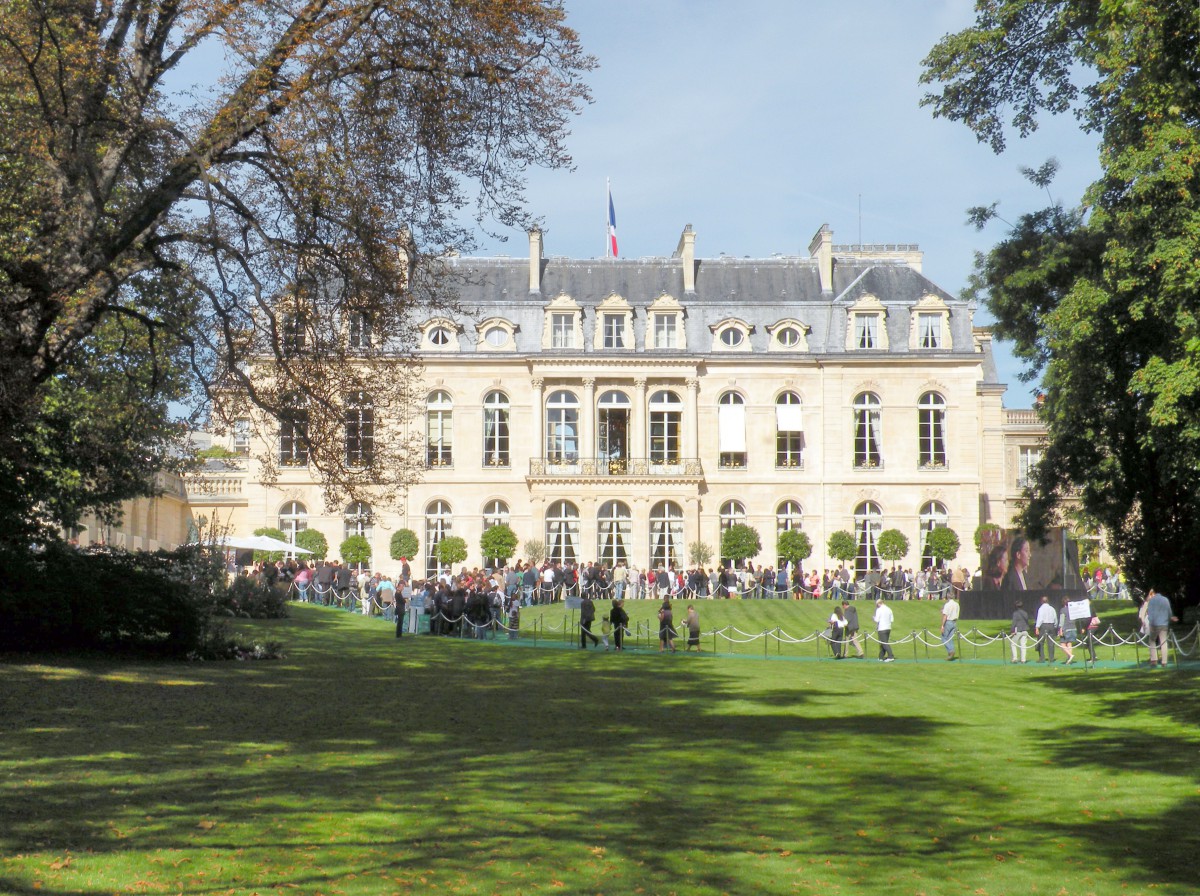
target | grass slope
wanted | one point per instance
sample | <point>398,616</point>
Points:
<point>365,765</point>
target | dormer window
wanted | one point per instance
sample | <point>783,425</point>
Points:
<point>731,335</point>
<point>866,328</point>
<point>788,336</point>
<point>440,335</point>
<point>866,331</point>
<point>563,326</point>
<point>614,325</point>
<point>359,335</point>
<point>664,324</point>
<point>495,335</point>
<point>930,327</point>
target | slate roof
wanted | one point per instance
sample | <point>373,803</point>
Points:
<point>761,292</point>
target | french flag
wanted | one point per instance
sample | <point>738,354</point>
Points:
<point>612,227</point>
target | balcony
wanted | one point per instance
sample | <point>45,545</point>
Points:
<point>571,467</point>
<point>221,488</point>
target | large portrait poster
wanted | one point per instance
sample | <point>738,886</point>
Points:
<point>1010,561</point>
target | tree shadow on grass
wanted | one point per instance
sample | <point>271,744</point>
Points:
<point>383,761</point>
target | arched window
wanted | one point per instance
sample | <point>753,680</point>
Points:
<point>933,514</point>
<point>731,431</point>
<point>666,417</point>
<point>495,513</point>
<point>293,518</point>
<point>293,434</point>
<point>360,430</point>
<point>732,512</point>
<point>612,430</point>
<point>359,520</point>
<point>788,517</point>
<point>614,531</point>
<point>562,532</point>
<point>495,430</point>
<point>868,523</point>
<point>931,430</point>
<point>666,535</point>
<point>439,430</point>
<point>868,431</point>
<point>562,427</point>
<point>438,522</point>
<point>789,431</point>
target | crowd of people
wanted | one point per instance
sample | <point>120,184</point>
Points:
<point>480,603</point>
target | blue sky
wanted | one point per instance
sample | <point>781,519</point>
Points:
<point>757,122</point>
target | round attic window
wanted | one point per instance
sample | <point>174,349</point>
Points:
<point>732,336</point>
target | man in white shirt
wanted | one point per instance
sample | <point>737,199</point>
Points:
<point>949,625</point>
<point>1047,628</point>
<point>883,631</point>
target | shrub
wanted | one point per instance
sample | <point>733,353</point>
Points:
<point>248,598</point>
<point>794,546</point>
<point>740,541</point>
<point>451,550</point>
<point>312,540</point>
<point>842,546</point>
<point>355,550</point>
<point>61,599</point>
<point>498,542</point>
<point>404,544</point>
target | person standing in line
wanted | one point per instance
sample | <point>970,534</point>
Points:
<point>666,627</point>
<point>514,617</point>
<point>620,620</point>
<point>837,632</point>
<point>620,576</point>
<point>883,630</point>
<point>851,614</point>
<point>1047,628</point>
<point>1158,625</point>
<point>1019,633</point>
<point>949,624</point>
<point>1066,633</point>
<point>587,615</point>
<point>693,627</point>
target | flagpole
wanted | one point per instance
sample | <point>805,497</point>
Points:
<point>607,234</point>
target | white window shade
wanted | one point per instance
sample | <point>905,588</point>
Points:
<point>731,428</point>
<point>789,417</point>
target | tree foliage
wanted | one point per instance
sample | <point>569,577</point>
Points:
<point>355,550</point>
<point>793,545</point>
<point>451,550</point>
<point>535,550</point>
<point>498,542</point>
<point>942,544</point>
<point>404,544</point>
<point>892,545</point>
<point>740,542</point>
<point>699,553</point>
<point>313,540</point>
<point>1103,300</point>
<point>842,546</point>
<point>259,240</point>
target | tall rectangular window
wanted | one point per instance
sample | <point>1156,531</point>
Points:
<point>929,330</point>
<point>293,437</point>
<point>931,430</point>
<point>1027,459</point>
<point>665,335</point>
<point>241,435</point>
<point>562,330</point>
<point>614,330</point>
<point>866,330</point>
<point>360,330</point>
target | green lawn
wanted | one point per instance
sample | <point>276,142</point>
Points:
<point>365,765</point>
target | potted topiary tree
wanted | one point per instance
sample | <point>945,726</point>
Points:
<point>535,550</point>
<point>699,553</point>
<point>892,545</point>
<point>451,550</point>
<point>497,544</point>
<point>942,544</point>
<point>356,551</point>
<point>740,542</point>
<point>314,541</point>
<point>404,544</point>
<point>842,546</point>
<point>793,546</point>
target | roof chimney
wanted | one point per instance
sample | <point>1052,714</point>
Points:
<point>535,261</point>
<point>821,248</point>
<point>686,253</point>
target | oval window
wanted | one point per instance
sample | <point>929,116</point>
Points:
<point>732,336</point>
<point>496,336</point>
<point>789,337</point>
